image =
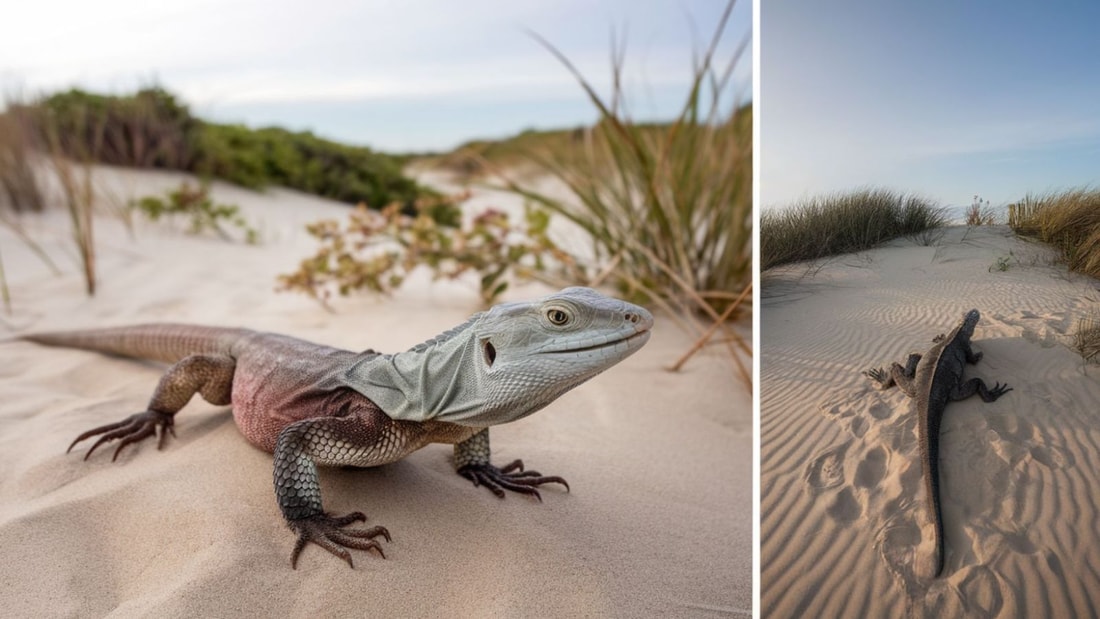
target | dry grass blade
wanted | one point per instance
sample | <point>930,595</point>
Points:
<point>75,178</point>
<point>668,207</point>
<point>710,333</point>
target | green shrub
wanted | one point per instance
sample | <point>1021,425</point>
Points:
<point>377,250</point>
<point>194,204</point>
<point>149,129</point>
<point>152,129</point>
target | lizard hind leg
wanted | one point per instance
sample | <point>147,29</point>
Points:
<point>472,462</point>
<point>208,375</point>
<point>978,386</point>
<point>898,375</point>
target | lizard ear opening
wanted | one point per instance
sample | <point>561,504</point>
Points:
<point>490,352</point>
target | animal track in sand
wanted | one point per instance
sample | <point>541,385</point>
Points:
<point>826,470</point>
<point>874,481</point>
<point>872,469</point>
<point>980,592</point>
<point>845,507</point>
<point>1052,457</point>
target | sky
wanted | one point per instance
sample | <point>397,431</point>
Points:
<point>945,99</point>
<point>397,76</point>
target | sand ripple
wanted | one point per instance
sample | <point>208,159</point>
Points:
<point>844,528</point>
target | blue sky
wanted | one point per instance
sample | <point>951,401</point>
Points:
<point>941,98</point>
<point>400,76</point>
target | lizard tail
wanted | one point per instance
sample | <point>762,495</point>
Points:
<point>932,487</point>
<point>155,342</point>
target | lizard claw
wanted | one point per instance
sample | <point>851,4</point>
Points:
<point>499,479</point>
<point>999,390</point>
<point>130,430</point>
<point>327,532</point>
<point>876,374</point>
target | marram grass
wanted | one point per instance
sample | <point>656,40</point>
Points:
<point>842,223</point>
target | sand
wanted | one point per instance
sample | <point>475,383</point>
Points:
<point>658,522</point>
<point>842,505</point>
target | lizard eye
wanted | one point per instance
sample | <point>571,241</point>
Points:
<point>557,316</point>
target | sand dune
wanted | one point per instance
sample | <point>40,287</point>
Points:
<point>658,522</point>
<point>844,527</point>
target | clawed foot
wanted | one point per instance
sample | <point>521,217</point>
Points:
<point>328,533</point>
<point>999,390</point>
<point>500,479</point>
<point>876,374</point>
<point>130,430</point>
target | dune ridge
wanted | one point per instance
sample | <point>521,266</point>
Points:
<point>844,526</point>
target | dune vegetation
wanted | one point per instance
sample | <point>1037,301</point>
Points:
<point>1069,220</point>
<point>842,223</point>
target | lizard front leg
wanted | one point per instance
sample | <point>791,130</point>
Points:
<point>330,441</point>
<point>472,462</point>
<point>208,375</point>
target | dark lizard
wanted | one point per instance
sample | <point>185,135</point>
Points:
<point>312,405</point>
<point>933,380</point>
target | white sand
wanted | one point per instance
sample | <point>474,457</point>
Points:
<point>657,523</point>
<point>842,505</point>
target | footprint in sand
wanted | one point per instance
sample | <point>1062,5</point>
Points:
<point>1052,457</point>
<point>827,469</point>
<point>845,507</point>
<point>858,427</point>
<point>898,542</point>
<point>872,469</point>
<point>980,592</point>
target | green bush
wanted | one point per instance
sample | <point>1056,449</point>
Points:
<point>194,203</point>
<point>152,129</point>
<point>377,251</point>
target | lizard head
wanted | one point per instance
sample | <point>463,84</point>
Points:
<point>575,330</point>
<point>507,362</point>
<point>969,321</point>
<point>532,352</point>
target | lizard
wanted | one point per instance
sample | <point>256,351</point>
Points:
<point>932,380</point>
<point>311,405</point>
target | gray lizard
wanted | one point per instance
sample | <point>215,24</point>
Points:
<point>315,405</point>
<point>933,380</point>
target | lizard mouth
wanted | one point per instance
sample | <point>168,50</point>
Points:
<point>638,337</point>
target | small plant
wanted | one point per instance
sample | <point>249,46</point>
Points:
<point>1003,262</point>
<point>980,213</point>
<point>378,250</point>
<point>1086,340</point>
<point>195,204</point>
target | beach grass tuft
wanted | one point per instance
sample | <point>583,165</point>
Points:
<point>842,223</point>
<point>668,206</point>
<point>1068,220</point>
